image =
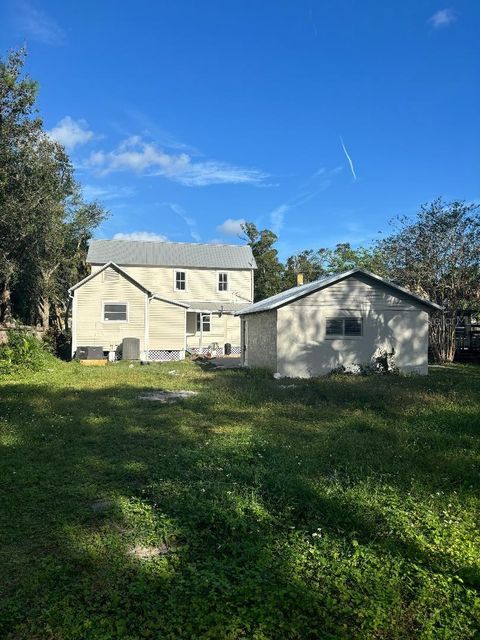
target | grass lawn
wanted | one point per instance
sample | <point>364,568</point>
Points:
<point>345,507</point>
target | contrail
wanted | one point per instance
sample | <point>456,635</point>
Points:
<point>349,159</point>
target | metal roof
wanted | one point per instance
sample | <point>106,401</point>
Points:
<point>171,254</point>
<point>225,307</point>
<point>294,293</point>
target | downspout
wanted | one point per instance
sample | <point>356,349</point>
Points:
<point>146,337</point>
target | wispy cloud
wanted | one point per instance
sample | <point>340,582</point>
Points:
<point>231,226</point>
<point>134,154</point>
<point>71,133</point>
<point>352,169</point>
<point>34,23</point>
<point>442,18</point>
<point>318,182</point>
<point>106,192</point>
<point>142,236</point>
<point>188,220</point>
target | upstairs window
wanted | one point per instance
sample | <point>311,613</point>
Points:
<point>344,327</point>
<point>115,312</point>
<point>203,321</point>
<point>180,282</point>
<point>223,281</point>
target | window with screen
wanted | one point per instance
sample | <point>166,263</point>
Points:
<point>115,312</point>
<point>223,281</point>
<point>203,322</point>
<point>343,327</point>
<point>180,281</point>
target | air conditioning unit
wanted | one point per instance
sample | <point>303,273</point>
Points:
<point>89,353</point>
<point>131,349</point>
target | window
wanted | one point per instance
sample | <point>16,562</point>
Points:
<point>115,312</point>
<point>180,281</point>
<point>223,281</point>
<point>205,320</point>
<point>344,327</point>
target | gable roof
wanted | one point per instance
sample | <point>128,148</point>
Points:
<point>285,297</point>
<point>171,254</point>
<point>115,267</point>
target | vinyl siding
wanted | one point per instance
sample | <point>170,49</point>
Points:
<point>166,326</point>
<point>90,328</point>
<point>201,283</point>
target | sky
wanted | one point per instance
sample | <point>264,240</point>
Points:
<point>319,120</point>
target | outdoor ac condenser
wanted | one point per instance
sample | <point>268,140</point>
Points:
<point>131,349</point>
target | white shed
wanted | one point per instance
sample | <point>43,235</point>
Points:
<point>347,319</point>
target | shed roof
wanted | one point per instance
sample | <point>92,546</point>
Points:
<point>285,297</point>
<point>171,254</point>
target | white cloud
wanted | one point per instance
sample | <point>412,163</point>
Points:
<point>134,154</point>
<point>231,227</point>
<point>71,133</point>
<point>35,24</point>
<point>142,236</point>
<point>442,18</point>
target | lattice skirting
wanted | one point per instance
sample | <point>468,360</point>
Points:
<point>164,355</point>
<point>236,350</point>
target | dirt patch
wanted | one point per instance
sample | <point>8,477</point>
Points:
<point>167,396</point>
<point>147,553</point>
<point>99,506</point>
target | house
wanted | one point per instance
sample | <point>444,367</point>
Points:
<point>346,319</point>
<point>172,297</point>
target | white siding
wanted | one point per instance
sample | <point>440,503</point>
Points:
<point>166,324</point>
<point>201,283</point>
<point>91,330</point>
<point>225,328</point>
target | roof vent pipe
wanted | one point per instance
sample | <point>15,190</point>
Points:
<point>299,279</point>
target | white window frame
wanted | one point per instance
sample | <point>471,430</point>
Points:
<point>342,336</point>
<point>202,316</point>
<point>175,279</point>
<point>221,273</point>
<point>104,302</point>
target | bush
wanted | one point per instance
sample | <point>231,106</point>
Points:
<point>23,351</point>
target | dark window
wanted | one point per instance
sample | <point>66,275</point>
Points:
<point>223,281</point>
<point>205,319</point>
<point>348,327</point>
<point>180,280</point>
<point>353,326</point>
<point>115,312</point>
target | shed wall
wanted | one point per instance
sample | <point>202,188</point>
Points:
<point>261,339</point>
<point>390,322</point>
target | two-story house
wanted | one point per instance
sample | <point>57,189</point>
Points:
<point>172,297</point>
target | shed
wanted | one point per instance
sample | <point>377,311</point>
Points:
<point>346,320</point>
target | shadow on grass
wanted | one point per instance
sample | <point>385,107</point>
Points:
<point>234,483</point>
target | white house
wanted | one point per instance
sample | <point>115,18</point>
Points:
<point>346,319</point>
<point>172,297</point>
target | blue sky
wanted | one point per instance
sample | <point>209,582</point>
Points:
<point>187,117</point>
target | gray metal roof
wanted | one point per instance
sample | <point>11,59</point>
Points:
<point>294,293</point>
<point>225,307</point>
<point>171,254</point>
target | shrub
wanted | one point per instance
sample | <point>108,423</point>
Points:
<point>23,351</point>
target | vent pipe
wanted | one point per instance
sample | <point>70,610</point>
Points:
<point>299,279</point>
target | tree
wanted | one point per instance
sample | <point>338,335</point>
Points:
<point>268,276</point>
<point>308,263</point>
<point>344,257</point>
<point>44,222</point>
<point>437,255</point>
<point>19,127</point>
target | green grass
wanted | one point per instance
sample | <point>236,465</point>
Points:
<point>345,507</point>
